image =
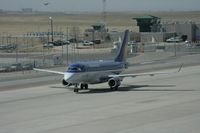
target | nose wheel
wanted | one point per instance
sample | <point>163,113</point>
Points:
<point>76,90</point>
<point>82,87</point>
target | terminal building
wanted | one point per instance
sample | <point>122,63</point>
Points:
<point>151,28</point>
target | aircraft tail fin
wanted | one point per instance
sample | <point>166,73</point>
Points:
<point>121,55</point>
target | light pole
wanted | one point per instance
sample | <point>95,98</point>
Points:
<point>67,46</point>
<point>51,21</point>
<point>175,41</point>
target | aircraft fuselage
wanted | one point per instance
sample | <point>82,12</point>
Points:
<point>92,72</point>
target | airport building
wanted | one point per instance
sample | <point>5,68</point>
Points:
<point>186,29</point>
<point>98,33</point>
<point>148,23</point>
<point>197,32</point>
<point>151,28</point>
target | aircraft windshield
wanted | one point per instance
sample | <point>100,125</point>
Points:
<point>74,69</point>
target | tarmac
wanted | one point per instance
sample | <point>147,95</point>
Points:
<point>158,104</point>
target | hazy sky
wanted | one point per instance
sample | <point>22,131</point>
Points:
<point>96,5</point>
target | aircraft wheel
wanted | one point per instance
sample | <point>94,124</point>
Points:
<point>82,86</point>
<point>114,88</point>
<point>86,86</point>
<point>76,90</point>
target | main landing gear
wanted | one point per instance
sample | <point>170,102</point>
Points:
<point>114,88</point>
<point>82,87</point>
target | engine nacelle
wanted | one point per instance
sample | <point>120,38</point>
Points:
<point>114,82</point>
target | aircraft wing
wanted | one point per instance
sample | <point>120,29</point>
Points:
<point>145,74</point>
<point>49,71</point>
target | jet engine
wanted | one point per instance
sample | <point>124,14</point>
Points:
<point>114,83</point>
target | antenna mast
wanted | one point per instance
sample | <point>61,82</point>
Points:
<point>104,11</point>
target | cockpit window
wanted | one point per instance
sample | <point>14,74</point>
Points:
<point>74,69</point>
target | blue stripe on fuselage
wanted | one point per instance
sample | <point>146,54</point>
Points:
<point>95,66</point>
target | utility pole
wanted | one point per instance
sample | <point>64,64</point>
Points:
<point>51,22</point>
<point>174,42</point>
<point>104,11</point>
<point>67,46</point>
<point>16,49</point>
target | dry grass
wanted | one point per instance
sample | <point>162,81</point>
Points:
<point>21,24</point>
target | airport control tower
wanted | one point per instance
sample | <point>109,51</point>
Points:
<point>147,23</point>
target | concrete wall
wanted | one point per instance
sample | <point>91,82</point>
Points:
<point>197,32</point>
<point>155,36</point>
<point>180,29</point>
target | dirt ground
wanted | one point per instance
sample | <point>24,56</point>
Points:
<point>19,24</point>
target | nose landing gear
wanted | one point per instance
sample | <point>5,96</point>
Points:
<point>82,87</point>
<point>76,88</point>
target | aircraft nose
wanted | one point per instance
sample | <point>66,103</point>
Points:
<point>67,76</point>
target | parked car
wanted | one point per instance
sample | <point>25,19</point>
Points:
<point>8,47</point>
<point>16,67</point>
<point>72,40</point>
<point>132,43</point>
<point>97,41</point>
<point>87,43</point>
<point>197,45</point>
<point>27,67</point>
<point>48,45</point>
<point>174,39</point>
<point>188,44</point>
<point>4,69</point>
<point>66,42</point>
<point>3,47</point>
<point>61,42</point>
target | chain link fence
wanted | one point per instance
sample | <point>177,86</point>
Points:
<point>27,53</point>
